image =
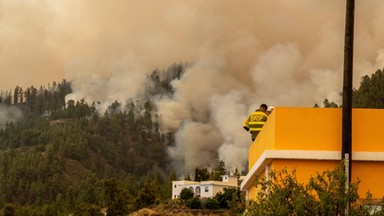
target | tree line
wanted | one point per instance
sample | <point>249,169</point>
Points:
<point>370,93</point>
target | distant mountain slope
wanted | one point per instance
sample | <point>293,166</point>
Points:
<point>60,156</point>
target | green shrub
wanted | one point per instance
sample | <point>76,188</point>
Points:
<point>186,194</point>
<point>194,203</point>
<point>211,203</point>
<point>9,210</point>
<point>226,196</point>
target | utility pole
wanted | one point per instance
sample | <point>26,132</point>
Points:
<point>346,150</point>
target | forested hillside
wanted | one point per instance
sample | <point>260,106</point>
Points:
<point>60,158</point>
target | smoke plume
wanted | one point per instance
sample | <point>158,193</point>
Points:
<point>283,53</point>
<point>9,114</point>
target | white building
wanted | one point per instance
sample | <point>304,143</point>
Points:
<point>204,189</point>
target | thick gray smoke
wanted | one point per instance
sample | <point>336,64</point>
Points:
<point>283,53</point>
<point>9,114</point>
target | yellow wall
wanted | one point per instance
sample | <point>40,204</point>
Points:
<point>308,129</point>
<point>265,140</point>
<point>252,192</point>
<point>303,173</point>
<point>300,129</point>
<point>319,129</point>
<point>368,130</point>
<point>371,175</point>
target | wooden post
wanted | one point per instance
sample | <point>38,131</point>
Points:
<point>346,150</point>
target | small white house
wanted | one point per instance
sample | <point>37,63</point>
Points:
<point>204,189</point>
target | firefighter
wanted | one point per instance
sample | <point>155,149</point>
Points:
<point>256,121</point>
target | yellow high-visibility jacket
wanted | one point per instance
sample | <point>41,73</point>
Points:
<point>255,121</point>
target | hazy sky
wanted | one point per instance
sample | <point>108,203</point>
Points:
<point>284,53</point>
<point>48,40</point>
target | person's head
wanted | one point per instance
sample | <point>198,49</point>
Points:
<point>263,107</point>
<point>270,109</point>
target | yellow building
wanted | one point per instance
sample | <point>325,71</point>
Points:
<point>309,141</point>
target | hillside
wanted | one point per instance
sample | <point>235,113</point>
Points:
<point>64,157</point>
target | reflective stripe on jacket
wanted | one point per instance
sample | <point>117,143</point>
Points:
<point>255,121</point>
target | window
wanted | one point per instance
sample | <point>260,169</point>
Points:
<point>198,190</point>
<point>206,189</point>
